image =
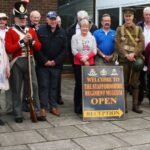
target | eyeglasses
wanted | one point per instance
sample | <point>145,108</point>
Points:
<point>3,18</point>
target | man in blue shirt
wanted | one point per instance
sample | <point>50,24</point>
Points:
<point>105,38</point>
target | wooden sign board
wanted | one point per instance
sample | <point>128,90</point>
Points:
<point>103,93</point>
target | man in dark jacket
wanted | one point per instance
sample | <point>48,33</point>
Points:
<point>49,64</point>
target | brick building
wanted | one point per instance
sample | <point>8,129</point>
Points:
<point>43,6</point>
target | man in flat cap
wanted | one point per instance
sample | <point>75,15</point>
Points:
<point>16,41</point>
<point>130,44</point>
<point>49,64</point>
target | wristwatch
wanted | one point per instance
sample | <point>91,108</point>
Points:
<point>103,55</point>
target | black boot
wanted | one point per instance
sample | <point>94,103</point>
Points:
<point>1,123</point>
<point>135,108</point>
<point>18,119</point>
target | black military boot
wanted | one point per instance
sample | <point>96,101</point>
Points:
<point>135,108</point>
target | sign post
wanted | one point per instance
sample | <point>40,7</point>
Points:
<point>102,93</point>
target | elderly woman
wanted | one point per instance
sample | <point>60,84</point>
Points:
<point>84,49</point>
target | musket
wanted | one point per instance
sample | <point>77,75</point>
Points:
<point>33,116</point>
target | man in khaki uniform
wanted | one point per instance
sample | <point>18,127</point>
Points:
<point>129,43</point>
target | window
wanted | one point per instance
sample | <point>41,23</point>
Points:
<point>114,13</point>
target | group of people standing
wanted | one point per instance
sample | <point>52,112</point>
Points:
<point>48,45</point>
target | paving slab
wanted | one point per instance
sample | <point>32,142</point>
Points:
<point>56,145</point>
<point>28,125</point>
<point>139,147</point>
<point>146,108</point>
<point>18,138</point>
<point>65,120</point>
<point>135,137</point>
<point>19,147</point>
<point>5,128</point>
<point>102,142</point>
<point>100,127</point>
<point>147,118</point>
<point>133,124</point>
<point>132,114</point>
<point>69,132</point>
<point>58,133</point>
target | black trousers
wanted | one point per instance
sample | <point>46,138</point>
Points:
<point>78,89</point>
<point>144,87</point>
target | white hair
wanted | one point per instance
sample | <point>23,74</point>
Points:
<point>35,12</point>
<point>58,18</point>
<point>84,22</point>
<point>146,9</point>
<point>82,14</point>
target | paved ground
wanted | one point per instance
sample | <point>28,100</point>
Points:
<point>69,132</point>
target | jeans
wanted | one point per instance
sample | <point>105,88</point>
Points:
<point>48,79</point>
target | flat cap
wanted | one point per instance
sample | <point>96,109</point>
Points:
<point>3,15</point>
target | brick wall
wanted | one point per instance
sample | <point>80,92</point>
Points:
<point>43,6</point>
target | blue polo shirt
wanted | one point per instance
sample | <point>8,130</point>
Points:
<point>105,42</point>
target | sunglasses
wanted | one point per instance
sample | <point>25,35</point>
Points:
<point>3,18</point>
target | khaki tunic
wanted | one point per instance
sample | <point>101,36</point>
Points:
<point>125,45</point>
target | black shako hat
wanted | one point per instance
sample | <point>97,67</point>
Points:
<point>20,10</point>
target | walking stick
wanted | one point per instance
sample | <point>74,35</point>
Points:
<point>33,116</point>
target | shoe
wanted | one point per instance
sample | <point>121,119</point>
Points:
<point>137,110</point>
<point>55,111</point>
<point>42,116</point>
<point>1,123</point>
<point>60,102</point>
<point>78,110</point>
<point>19,120</point>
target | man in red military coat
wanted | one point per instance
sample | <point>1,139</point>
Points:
<point>16,41</point>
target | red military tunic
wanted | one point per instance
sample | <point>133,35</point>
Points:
<point>13,47</point>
